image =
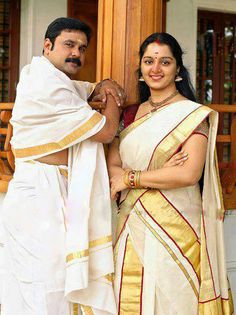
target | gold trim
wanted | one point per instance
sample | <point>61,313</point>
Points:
<point>75,308</point>
<point>170,251</point>
<point>85,252</point>
<point>131,286</point>
<point>217,306</point>
<point>126,207</point>
<point>100,241</point>
<point>139,121</point>
<point>207,290</point>
<point>134,125</point>
<point>222,210</point>
<point>87,310</point>
<point>109,277</point>
<point>63,172</point>
<point>77,255</point>
<point>64,142</point>
<point>179,229</point>
<point>170,144</point>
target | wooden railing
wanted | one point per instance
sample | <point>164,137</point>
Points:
<point>6,156</point>
<point>227,169</point>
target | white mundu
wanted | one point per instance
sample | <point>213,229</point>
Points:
<point>57,219</point>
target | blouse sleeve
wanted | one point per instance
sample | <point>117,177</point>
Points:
<point>202,129</point>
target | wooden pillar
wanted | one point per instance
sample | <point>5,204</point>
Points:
<point>122,26</point>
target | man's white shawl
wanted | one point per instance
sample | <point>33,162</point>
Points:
<point>51,113</point>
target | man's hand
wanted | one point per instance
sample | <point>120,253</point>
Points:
<point>109,87</point>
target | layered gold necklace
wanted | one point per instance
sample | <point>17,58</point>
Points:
<point>163,102</point>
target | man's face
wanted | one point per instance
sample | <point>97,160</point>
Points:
<point>68,53</point>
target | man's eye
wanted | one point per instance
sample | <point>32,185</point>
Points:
<point>82,49</point>
<point>69,44</point>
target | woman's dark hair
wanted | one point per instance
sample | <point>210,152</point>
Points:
<point>66,24</point>
<point>185,86</point>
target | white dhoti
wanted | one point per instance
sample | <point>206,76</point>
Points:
<point>57,234</point>
<point>34,223</point>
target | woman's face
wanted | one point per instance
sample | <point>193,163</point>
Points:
<point>158,67</point>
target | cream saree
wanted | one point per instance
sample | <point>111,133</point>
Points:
<point>169,252</point>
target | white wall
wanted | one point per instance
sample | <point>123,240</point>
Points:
<point>36,15</point>
<point>181,22</point>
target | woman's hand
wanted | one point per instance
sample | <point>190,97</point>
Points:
<point>177,159</point>
<point>117,184</point>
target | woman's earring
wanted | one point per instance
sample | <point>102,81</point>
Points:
<point>178,78</point>
<point>141,79</point>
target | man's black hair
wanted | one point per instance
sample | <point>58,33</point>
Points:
<point>66,24</point>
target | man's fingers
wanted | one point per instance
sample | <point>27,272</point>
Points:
<point>97,98</point>
<point>115,95</point>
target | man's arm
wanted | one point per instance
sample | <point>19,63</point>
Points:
<point>112,114</point>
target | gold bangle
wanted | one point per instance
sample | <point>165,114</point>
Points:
<point>126,178</point>
<point>132,176</point>
<point>137,181</point>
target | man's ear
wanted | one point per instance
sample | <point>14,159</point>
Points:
<point>47,47</point>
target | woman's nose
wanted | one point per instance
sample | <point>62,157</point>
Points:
<point>156,66</point>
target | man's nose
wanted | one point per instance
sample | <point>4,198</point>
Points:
<point>75,52</point>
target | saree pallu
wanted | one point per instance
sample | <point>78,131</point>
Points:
<point>169,252</point>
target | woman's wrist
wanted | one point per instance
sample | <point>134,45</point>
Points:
<point>131,179</point>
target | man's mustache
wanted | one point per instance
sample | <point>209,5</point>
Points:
<point>75,60</point>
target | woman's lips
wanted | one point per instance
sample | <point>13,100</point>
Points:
<point>156,77</point>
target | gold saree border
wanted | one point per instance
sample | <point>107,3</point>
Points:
<point>207,288</point>
<point>131,286</point>
<point>139,121</point>
<point>64,142</point>
<point>222,210</point>
<point>125,208</point>
<point>178,230</point>
<point>170,251</point>
<point>169,145</point>
<point>85,252</point>
<point>217,306</point>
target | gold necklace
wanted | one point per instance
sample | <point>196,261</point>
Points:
<point>158,104</point>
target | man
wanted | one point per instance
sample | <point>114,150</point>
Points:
<point>56,214</point>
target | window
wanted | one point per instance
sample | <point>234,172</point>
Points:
<point>9,48</point>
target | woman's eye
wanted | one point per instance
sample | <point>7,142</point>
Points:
<point>165,62</point>
<point>148,62</point>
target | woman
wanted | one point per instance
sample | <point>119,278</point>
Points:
<point>169,249</point>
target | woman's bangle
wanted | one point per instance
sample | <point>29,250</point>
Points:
<point>131,179</point>
<point>126,178</point>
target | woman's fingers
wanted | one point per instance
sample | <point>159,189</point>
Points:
<point>181,158</point>
<point>177,159</point>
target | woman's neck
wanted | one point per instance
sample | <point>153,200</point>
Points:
<point>159,95</point>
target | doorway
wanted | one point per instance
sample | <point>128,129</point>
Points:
<point>216,66</point>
